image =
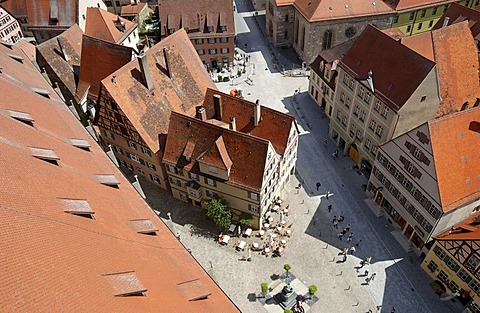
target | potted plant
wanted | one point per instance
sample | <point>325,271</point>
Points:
<point>287,311</point>
<point>287,267</point>
<point>264,288</point>
<point>312,290</point>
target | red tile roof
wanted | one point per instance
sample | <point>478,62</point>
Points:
<point>57,261</point>
<point>468,229</point>
<point>248,154</point>
<point>421,44</point>
<point>458,13</point>
<point>28,48</point>
<point>274,126</point>
<point>104,25</point>
<point>455,140</point>
<point>149,111</point>
<point>321,10</point>
<point>409,5</point>
<point>51,53</point>
<point>456,56</point>
<point>52,13</point>
<point>132,9</point>
<point>92,71</point>
<point>372,51</point>
<point>18,8</point>
<point>194,13</point>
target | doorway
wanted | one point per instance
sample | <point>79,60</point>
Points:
<point>408,232</point>
<point>353,153</point>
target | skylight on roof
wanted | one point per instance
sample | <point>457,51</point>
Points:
<point>125,284</point>
<point>194,290</point>
<point>80,143</point>
<point>108,180</point>
<point>46,155</point>
<point>144,226</point>
<point>6,44</point>
<point>16,57</point>
<point>78,207</point>
<point>42,92</point>
<point>21,117</point>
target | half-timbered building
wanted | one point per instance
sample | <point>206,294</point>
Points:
<point>135,103</point>
<point>454,263</point>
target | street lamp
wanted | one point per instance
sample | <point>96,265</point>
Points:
<point>173,225</point>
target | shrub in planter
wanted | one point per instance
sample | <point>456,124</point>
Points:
<point>287,311</point>
<point>220,78</point>
<point>264,287</point>
<point>226,79</point>
<point>287,267</point>
<point>312,290</point>
<point>239,73</point>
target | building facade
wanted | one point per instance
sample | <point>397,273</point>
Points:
<point>10,30</point>
<point>453,264</point>
<point>412,181</point>
<point>213,158</point>
<point>209,25</point>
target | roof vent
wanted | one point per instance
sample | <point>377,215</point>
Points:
<point>42,92</point>
<point>125,284</point>
<point>16,57</point>
<point>346,6</point>
<point>80,143</point>
<point>78,207</point>
<point>330,8</point>
<point>46,155</point>
<point>147,78</point>
<point>143,226</point>
<point>108,180</point>
<point>21,117</point>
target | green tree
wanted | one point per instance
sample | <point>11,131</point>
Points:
<point>287,267</point>
<point>246,219</point>
<point>219,211</point>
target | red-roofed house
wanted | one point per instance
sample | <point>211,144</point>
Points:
<point>428,179</point>
<point>234,149</point>
<point>454,264</point>
<point>76,235</point>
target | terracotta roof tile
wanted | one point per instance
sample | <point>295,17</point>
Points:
<point>274,126</point>
<point>28,48</point>
<point>92,72</point>
<point>61,55</point>
<point>17,8</point>
<point>408,5</point>
<point>456,56</point>
<point>132,9</point>
<point>104,25</point>
<point>60,259</point>
<point>149,112</point>
<point>468,229</point>
<point>421,43</point>
<point>372,51</point>
<point>51,13</point>
<point>455,140</point>
<point>248,154</point>
<point>321,10</point>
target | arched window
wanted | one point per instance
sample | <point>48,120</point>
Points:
<point>327,39</point>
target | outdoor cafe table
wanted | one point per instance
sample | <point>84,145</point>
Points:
<point>255,245</point>
<point>248,232</point>
<point>225,239</point>
<point>241,245</point>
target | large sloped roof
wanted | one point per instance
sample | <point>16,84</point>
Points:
<point>372,51</point>
<point>409,5</point>
<point>455,140</point>
<point>52,13</point>
<point>274,126</point>
<point>55,259</point>
<point>244,155</point>
<point>104,25</point>
<point>181,90</point>
<point>468,229</point>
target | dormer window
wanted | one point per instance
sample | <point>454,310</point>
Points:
<point>78,207</point>
<point>46,155</point>
<point>210,29</point>
<point>143,226</point>
<point>125,284</point>
<point>80,143</point>
<point>16,57</point>
<point>21,117</point>
<point>171,31</point>
<point>42,92</point>
<point>108,180</point>
<point>212,169</point>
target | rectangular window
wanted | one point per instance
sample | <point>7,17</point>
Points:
<point>224,39</point>
<point>412,15</point>
<point>395,19</point>
<point>422,14</point>
<point>151,166</point>
<point>201,51</point>
<point>432,266</point>
<point>361,91</point>
<point>348,101</point>
<point>453,286</point>
<point>419,26</point>
<point>199,41</point>
<point>379,131</point>
<point>452,264</point>
<point>356,110</point>
<point>210,182</point>
<point>193,176</point>
<point>212,51</point>
<point>442,276</point>
<point>439,252</point>
<point>212,169</point>
<point>374,150</point>
<point>475,286</point>
<point>362,116</point>
<point>253,196</point>
<point>385,111</point>
<point>367,98</point>
<point>378,105</point>
<point>146,151</point>
<point>409,28</point>
<point>212,40</point>
<point>373,124</point>
<point>368,144</point>
<point>117,149</point>
<point>134,157</point>
<point>140,171</point>
<point>430,24</point>
<point>130,167</point>
<point>155,178</point>
<point>434,11</point>
<point>473,261</point>
<point>464,276</point>
<point>132,145</point>
<point>253,208</point>
<point>211,194</point>
<point>225,50</point>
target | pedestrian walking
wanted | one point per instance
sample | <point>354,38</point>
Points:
<point>366,273</point>
<point>328,194</point>
<point>368,260</point>
<point>340,235</point>
<point>362,264</point>
<point>341,218</point>
<point>318,185</point>
<point>336,153</point>
<point>367,280</point>
<point>352,250</point>
<point>350,237</point>
<point>334,219</point>
<point>344,251</point>
<point>358,243</point>
<point>329,208</point>
<point>393,310</point>
<point>348,227</point>
<point>335,224</point>
<point>344,258</point>
<point>344,231</point>
<point>325,142</point>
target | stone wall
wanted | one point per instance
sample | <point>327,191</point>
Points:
<point>280,23</point>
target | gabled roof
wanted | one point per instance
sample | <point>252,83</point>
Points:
<point>56,259</point>
<point>247,154</point>
<point>62,54</point>
<point>274,126</point>
<point>457,13</point>
<point>468,229</point>
<point>194,13</point>
<point>52,13</point>
<point>457,61</point>
<point>132,9</point>
<point>99,60</point>
<point>216,155</point>
<point>409,5</point>
<point>372,51</point>
<point>321,10</point>
<point>107,26</point>
<point>455,140</point>
<point>182,91</point>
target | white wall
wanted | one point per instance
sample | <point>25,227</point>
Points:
<point>82,10</point>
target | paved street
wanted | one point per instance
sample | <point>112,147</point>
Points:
<point>314,248</point>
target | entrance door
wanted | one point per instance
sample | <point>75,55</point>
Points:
<point>353,153</point>
<point>408,232</point>
<point>214,63</point>
<point>341,143</point>
<point>401,222</point>
<point>324,103</point>
<point>379,198</point>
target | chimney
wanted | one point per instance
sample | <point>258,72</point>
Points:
<point>256,113</point>
<point>233,124</point>
<point>445,22</point>
<point>202,114</point>
<point>147,79</point>
<point>217,104</point>
<point>167,65</point>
